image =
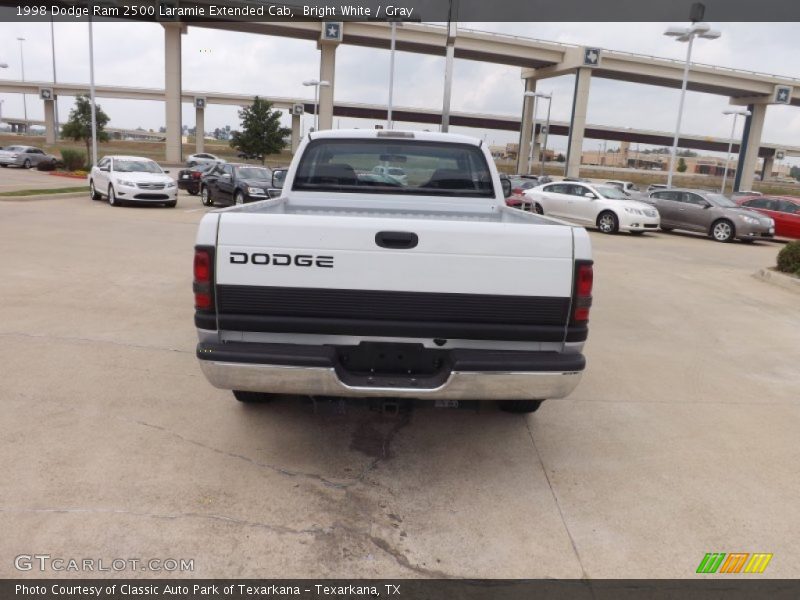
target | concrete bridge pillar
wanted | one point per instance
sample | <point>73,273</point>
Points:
<point>49,122</point>
<point>295,132</point>
<point>199,129</point>
<point>577,124</point>
<point>172,90</point>
<point>525,131</point>
<point>766,170</point>
<point>748,150</point>
<point>13,127</point>
<point>327,72</point>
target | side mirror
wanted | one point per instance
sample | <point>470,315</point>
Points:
<point>278,177</point>
<point>589,195</point>
<point>166,171</point>
<point>107,169</point>
<point>505,182</point>
<point>226,175</point>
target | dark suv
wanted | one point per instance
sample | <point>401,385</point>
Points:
<point>230,183</point>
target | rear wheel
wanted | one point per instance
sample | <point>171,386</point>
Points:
<point>238,198</point>
<point>93,192</point>
<point>667,229</point>
<point>193,191</point>
<point>723,231</point>
<point>520,406</point>
<point>538,209</point>
<point>27,163</point>
<point>205,196</point>
<point>252,397</point>
<point>172,204</point>
<point>607,222</point>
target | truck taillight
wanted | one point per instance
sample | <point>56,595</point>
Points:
<point>582,297</point>
<point>203,279</point>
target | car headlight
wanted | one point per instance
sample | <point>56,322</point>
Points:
<point>253,191</point>
<point>749,220</point>
<point>633,211</point>
<point>171,184</point>
<point>125,182</point>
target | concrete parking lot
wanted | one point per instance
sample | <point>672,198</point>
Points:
<point>13,179</point>
<point>680,440</point>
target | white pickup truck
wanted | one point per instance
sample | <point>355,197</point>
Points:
<point>353,283</point>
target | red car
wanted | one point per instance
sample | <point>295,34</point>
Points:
<point>784,210</point>
<point>517,198</point>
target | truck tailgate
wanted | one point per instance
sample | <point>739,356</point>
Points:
<point>479,277</point>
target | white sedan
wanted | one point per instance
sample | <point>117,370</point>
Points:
<point>202,158</point>
<point>131,179</point>
<point>603,206</point>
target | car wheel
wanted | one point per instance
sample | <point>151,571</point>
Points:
<point>252,397</point>
<point>93,192</point>
<point>723,231</point>
<point>637,232</point>
<point>193,191</point>
<point>747,240</point>
<point>519,406</point>
<point>205,196</point>
<point>538,209</point>
<point>191,164</point>
<point>238,198</point>
<point>607,222</point>
<point>667,229</point>
<point>27,163</point>
<point>172,204</point>
<point>112,197</point>
<point>4,165</point>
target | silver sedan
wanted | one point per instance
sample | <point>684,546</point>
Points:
<point>23,156</point>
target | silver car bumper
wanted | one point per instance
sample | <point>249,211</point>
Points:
<point>323,381</point>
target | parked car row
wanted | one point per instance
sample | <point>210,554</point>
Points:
<point>616,206</point>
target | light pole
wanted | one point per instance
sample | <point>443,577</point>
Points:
<point>686,34</point>
<point>91,93</point>
<point>316,83</point>
<point>735,112</point>
<point>55,98</point>
<point>549,98</point>
<point>2,66</point>
<point>22,64</point>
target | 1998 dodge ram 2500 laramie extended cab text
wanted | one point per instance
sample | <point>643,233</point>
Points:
<point>357,283</point>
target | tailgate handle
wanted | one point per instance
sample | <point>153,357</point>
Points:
<point>396,240</point>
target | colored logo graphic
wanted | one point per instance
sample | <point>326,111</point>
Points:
<point>735,562</point>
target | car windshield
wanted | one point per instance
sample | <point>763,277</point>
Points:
<point>253,173</point>
<point>136,166</point>
<point>611,192</point>
<point>429,168</point>
<point>721,200</point>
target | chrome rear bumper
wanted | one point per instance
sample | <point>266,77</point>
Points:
<point>324,381</point>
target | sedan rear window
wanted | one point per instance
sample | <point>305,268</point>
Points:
<point>372,166</point>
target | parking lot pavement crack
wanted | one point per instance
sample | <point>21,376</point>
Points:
<point>402,560</point>
<point>69,338</point>
<point>281,529</point>
<point>339,485</point>
<point>557,503</point>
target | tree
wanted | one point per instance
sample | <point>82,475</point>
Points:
<point>79,125</point>
<point>261,133</point>
<point>681,165</point>
<point>561,158</point>
<point>795,172</point>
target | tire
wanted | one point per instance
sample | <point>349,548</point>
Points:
<point>537,208</point>
<point>607,222</point>
<point>193,191</point>
<point>191,164</point>
<point>112,197</point>
<point>26,164</point>
<point>205,196</point>
<point>636,232</point>
<point>747,240</point>
<point>93,192</point>
<point>4,165</point>
<point>666,229</point>
<point>172,204</point>
<point>520,406</point>
<point>722,231</point>
<point>253,397</point>
<point>238,198</point>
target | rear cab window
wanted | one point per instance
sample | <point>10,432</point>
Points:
<point>394,166</point>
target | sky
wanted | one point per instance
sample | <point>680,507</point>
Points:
<point>133,54</point>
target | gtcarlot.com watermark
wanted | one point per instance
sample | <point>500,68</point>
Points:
<point>47,562</point>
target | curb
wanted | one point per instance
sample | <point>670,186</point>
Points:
<point>44,196</point>
<point>784,280</point>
